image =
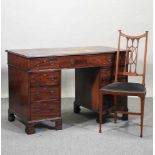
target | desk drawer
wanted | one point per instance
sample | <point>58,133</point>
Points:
<point>72,61</point>
<point>46,78</point>
<point>45,93</point>
<point>99,60</point>
<point>44,63</point>
<point>57,62</point>
<point>43,110</point>
<point>86,61</point>
<point>106,76</point>
<point>106,73</point>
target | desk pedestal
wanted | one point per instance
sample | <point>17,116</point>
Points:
<point>87,86</point>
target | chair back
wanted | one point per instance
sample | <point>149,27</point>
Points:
<point>131,55</point>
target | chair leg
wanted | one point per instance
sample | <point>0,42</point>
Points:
<point>100,112</point>
<point>115,113</point>
<point>142,115</point>
<point>115,117</point>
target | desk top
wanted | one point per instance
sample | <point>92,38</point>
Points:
<point>46,52</point>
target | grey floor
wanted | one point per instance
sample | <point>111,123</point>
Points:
<point>80,134</point>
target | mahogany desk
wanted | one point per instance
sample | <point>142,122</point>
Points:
<point>35,81</point>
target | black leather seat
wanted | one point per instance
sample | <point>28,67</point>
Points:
<point>125,87</point>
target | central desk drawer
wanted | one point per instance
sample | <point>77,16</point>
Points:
<point>87,61</point>
<point>99,60</point>
<point>43,110</point>
<point>45,93</point>
<point>93,60</point>
<point>45,78</point>
<point>72,62</point>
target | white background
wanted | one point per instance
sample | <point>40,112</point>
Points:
<point>64,23</point>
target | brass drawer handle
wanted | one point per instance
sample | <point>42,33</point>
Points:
<point>37,94</point>
<point>109,59</point>
<point>38,78</point>
<point>72,61</point>
<point>38,110</point>
<point>52,78</point>
<point>37,65</point>
<point>89,61</point>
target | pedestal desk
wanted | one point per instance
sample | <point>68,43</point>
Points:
<point>35,82</point>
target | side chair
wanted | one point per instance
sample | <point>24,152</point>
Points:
<point>127,88</point>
